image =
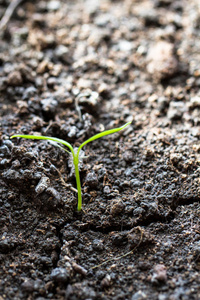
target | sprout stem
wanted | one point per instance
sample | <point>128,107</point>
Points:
<point>78,183</point>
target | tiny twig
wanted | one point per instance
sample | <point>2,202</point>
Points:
<point>8,14</point>
<point>78,108</point>
<point>121,256</point>
<point>66,184</point>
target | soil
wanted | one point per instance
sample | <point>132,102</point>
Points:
<point>71,69</point>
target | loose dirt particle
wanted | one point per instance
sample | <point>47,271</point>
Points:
<point>14,78</point>
<point>162,62</point>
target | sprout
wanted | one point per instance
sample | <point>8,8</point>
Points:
<point>76,153</point>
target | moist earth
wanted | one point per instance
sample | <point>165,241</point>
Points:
<point>71,69</point>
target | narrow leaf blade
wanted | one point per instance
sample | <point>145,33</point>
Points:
<point>104,133</point>
<point>41,137</point>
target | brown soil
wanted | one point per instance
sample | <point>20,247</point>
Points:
<point>70,69</point>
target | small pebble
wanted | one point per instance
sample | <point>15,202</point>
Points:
<point>139,296</point>
<point>160,274</point>
<point>117,207</point>
<point>60,275</point>
<point>42,185</point>
<point>91,180</point>
<point>14,78</point>
<point>106,281</point>
<point>97,245</point>
<point>53,5</point>
<point>28,286</point>
<point>162,62</point>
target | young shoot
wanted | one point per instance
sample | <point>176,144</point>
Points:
<point>73,151</point>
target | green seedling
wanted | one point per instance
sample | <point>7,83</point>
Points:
<point>75,153</point>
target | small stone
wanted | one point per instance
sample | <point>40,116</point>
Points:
<point>37,122</point>
<point>176,110</point>
<point>14,78</point>
<point>98,35</point>
<point>162,103</point>
<point>38,285</point>
<point>106,281</point>
<point>29,92</point>
<point>51,81</point>
<point>42,185</point>
<point>43,67</point>
<point>41,40</point>
<point>45,261</point>
<point>91,180</point>
<point>150,17</point>
<point>149,153</point>
<point>16,164</point>
<point>97,245</point>
<point>135,183</point>
<point>124,45</point>
<point>91,6</point>
<point>60,275</point>
<point>103,89</point>
<point>106,189</point>
<point>175,158</point>
<point>53,5</point>
<point>11,175</point>
<point>117,207</point>
<point>3,83</point>
<point>194,102</point>
<point>5,246</point>
<point>83,83</point>
<point>8,143</point>
<point>22,107</point>
<point>139,296</point>
<point>72,132</point>
<point>162,63</point>
<point>26,73</point>
<point>4,151</point>
<point>102,20</point>
<point>89,97</point>
<point>28,286</point>
<point>160,274</point>
<point>49,104</point>
<point>128,156</point>
<point>128,172</point>
<point>62,52</point>
<point>4,162</point>
<point>139,211</point>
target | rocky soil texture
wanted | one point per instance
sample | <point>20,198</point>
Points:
<point>71,69</point>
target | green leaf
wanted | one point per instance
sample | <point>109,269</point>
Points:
<point>101,134</point>
<point>41,137</point>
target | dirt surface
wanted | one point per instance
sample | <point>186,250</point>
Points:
<point>70,69</point>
